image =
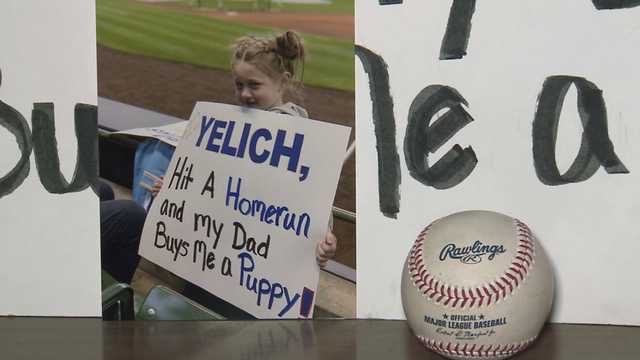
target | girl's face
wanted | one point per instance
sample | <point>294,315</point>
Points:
<point>255,88</point>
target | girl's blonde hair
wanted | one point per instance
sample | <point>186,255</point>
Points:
<point>275,56</point>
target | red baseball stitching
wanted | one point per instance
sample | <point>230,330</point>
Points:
<point>482,295</point>
<point>475,350</point>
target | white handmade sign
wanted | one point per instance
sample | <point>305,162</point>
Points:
<point>169,134</point>
<point>524,108</point>
<point>49,263</point>
<point>245,199</point>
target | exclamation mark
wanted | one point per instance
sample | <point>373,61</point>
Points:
<point>306,302</point>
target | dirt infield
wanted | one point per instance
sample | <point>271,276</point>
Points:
<point>174,88</point>
<point>335,25</point>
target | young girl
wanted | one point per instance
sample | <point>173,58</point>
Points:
<point>265,72</point>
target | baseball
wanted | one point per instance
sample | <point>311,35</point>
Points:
<point>477,285</point>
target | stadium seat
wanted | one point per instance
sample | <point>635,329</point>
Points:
<point>165,304</point>
<point>117,299</point>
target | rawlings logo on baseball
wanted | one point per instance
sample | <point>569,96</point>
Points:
<point>470,254</point>
<point>491,310</point>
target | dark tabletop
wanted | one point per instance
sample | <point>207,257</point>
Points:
<point>68,338</point>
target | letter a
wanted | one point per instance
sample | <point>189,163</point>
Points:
<point>208,186</point>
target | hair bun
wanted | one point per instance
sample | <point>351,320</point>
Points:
<point>289,45</point>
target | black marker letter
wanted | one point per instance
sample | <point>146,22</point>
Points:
<point>13,121</point>
<point>45,149</point>
<point>596,148</point>
<point>456,39</point>
<point>422,139</point>
<point>615,4</point>
<point>385,129</point>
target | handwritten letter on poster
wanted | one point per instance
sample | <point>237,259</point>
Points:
<point>50,257</point>
<point>525,108</point>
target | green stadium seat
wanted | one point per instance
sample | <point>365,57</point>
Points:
<point>165,304</point>
<point>117,299</point>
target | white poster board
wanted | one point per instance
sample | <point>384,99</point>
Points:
<point>245,199</point>
<point>50,258</point>
<point>587,227</point>
<point>169,134</point>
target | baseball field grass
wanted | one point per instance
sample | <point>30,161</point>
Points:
<point>200,40</point>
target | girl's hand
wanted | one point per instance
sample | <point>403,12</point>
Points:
<point>326,249</point>
<point>156,187</point>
